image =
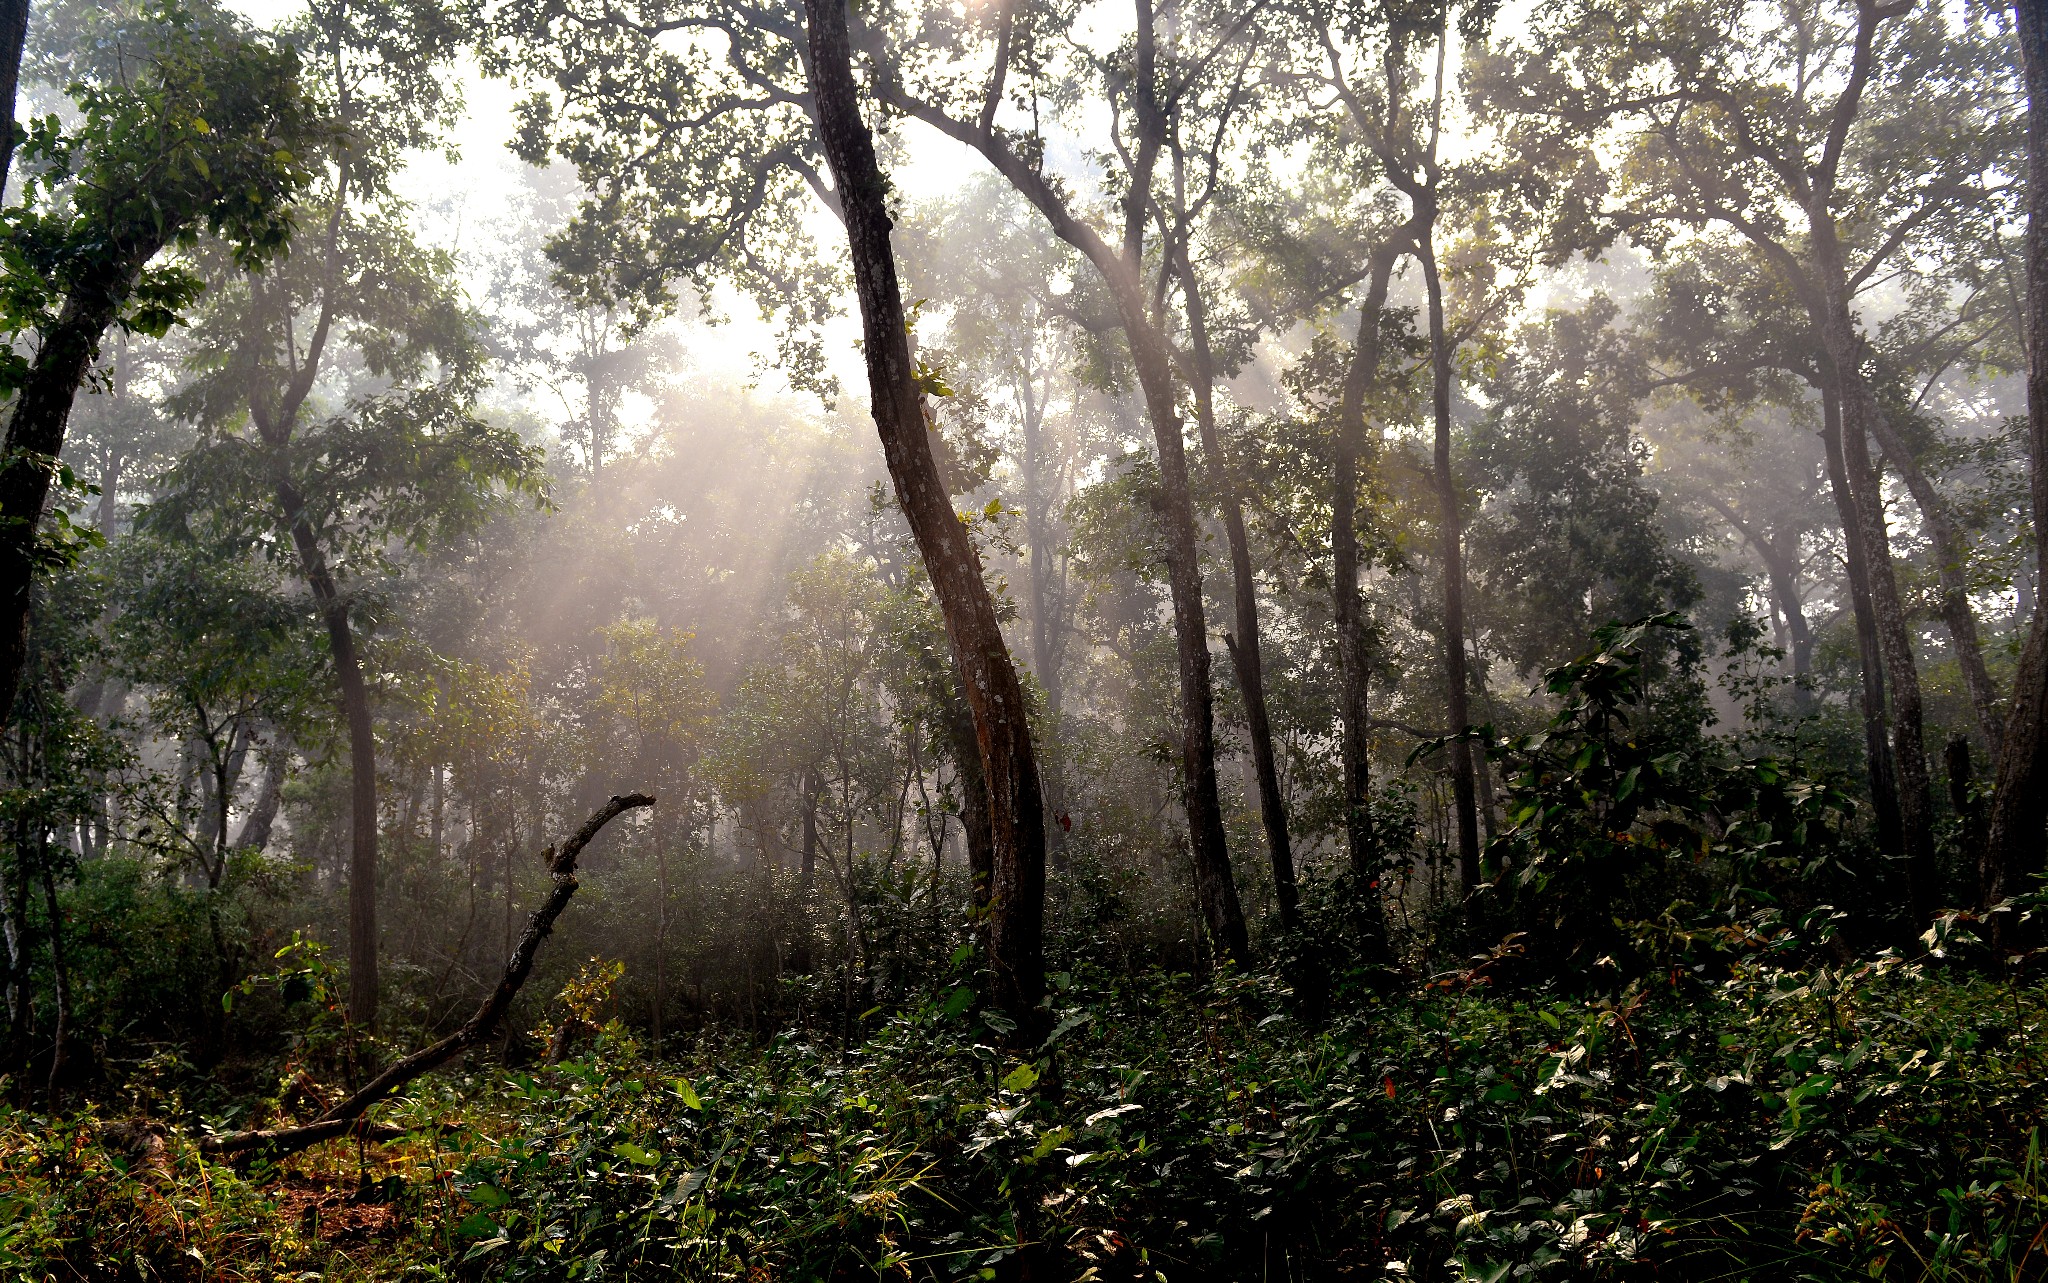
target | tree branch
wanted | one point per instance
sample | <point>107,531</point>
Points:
<point>346,1117</point>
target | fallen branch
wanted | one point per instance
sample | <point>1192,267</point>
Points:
<point>346,1118</point>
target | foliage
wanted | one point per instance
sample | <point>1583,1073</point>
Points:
<point>1879,1120</point>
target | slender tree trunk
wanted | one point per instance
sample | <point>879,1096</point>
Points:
<point>660,927</point>
<point>809,868</point>
<point>440,805</point>
<point>362,762</point>
<point>1046,623</point>
<point>1877,750</point>
<point>1902,678</point>
<point>1464,799</point>
<point>1354,652</point>
<point>2019,800</point>
<point>1222,915</point>
<point>988,678</point>
<point>1244,643</point>
<point>14,925</point>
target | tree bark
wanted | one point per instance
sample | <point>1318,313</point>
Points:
<point>35,439</point>
<point>344,1117</point>
<point>14,927</point>
<point>1951,558</point>
<point>1216,887</point>
<point>13,36</point>
<point>1243,644</point>
<point>1884,794</point>
<point>362,757</point>
<point>1348,444</point>
<point>1464,798</point>
<point>1902,678</point>
<point>809,868</point>
<point>262,817</point>
<point>988,677</point>
<point>974,815</point>
<point>2019,800</point>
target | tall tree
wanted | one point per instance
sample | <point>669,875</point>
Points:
<point>1145,95</point>
<point>1009,764</point>
<point>400,463</point>
<point>2019,806</point>
<point>1836,142</point>
<point>13,35</point>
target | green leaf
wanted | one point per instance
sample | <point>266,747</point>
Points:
<point>687,1092</point>
<point>1021,1078</point>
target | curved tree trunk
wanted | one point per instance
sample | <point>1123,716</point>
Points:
<point>988,677</point>
<point>262,816</point>
<point>35,439</point>
<point>1215,885</point>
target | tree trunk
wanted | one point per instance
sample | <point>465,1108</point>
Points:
<point>988,678</point>
<point>256,828</point>
<point>809,868</point>
<point>660,927</point>
<point>1902,679</point>
<point>362,762</point>
<point>1048,622</point>
<point>35,433</point>
<point>13,35</point>
<point>1244,643</point>
<point>14,926</point>
<point>974,819</point>
<point>1877,750</point>
<point>1464,800</point>
<point>2019,800</point>
<point>1951,558</point>
<point>1354,654</point>
<point>1223,916</point>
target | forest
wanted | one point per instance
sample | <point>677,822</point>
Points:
<point>1020,640</point>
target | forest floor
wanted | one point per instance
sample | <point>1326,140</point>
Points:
<point>1880,1120</point>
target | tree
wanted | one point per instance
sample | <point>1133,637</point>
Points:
<point>2019,806</point>
<point>404,462</point>
<point>1835,141</point>
<point>897,401</point>
<point>206,133</point>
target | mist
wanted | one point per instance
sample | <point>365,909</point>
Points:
<point>1134,640</point>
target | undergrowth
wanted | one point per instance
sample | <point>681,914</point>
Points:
<point>1744,1119</point>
